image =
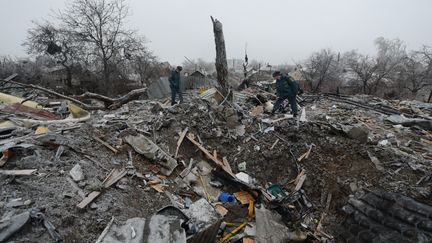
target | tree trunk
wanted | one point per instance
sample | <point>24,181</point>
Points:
<point>114,103</point>
<point>430,96</point>
<point>106,82</point>
<point>69,78</point>
<point>221,61</point>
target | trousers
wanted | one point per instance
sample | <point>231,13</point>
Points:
<point>292,101</point>
<point>174,91</point>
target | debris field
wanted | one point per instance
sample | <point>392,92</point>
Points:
<point>348,169</point>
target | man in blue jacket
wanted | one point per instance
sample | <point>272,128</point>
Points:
<point>174,80</point>
<point>286,88</point>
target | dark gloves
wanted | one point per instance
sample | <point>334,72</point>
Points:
<point>300,91</point>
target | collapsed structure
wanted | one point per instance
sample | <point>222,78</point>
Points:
<point>348,169</point>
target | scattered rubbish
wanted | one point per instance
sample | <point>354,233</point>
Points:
<point>221,209</point>
<point>179,142</point>
<point>224,165</point>
<point>226,197</point>
<point>26,111</point>
<point>256,111</point>
<point>6,154</point>
<point>274,144</point>
<point>105,144</point>
<point>303,115</point>
<point>390,213</point>
<point>268,129</point>
<point>114,176</point>
<point>18,172</point>
<point>243,197</point>
<point>298,171</point>
<point>187,202</point>
<point>243,177</point>
<point>409,122</point>
<point>77,173</point>
<point>212,95</point>
<point>216,184</point>
<point>276,191</point>
<point>383,143</point>
<point>77,114</point>
<point>306,154</point>
<point>105,231</point>
<point>242,166</point>
<point>240,130</point>
<point>40,218</point>
<point>18,202</point>
<point>270,228</point>
<point>300,182</point>
<point>358,132</point>
<point>150,150</point>
<point>10,99</point>
<point>157,187</point>
<point>12,225</point>
<point>375,161</point>
<point>41,130</point>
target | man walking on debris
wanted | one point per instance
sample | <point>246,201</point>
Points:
<point>174,80</point>
<point>286,88</point>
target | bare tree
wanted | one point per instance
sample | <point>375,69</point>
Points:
<point>46,39</point>
<point>320,68</point>
<point>146,65</point>
<point>363,67</point>
<point>417,71</point>
<point>99,25</point>
<point>371,71</point>
<point>390,58</point>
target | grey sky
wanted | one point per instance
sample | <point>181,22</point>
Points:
<point>276,31</point>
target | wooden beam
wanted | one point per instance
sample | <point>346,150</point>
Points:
<point>17,172</point>
<point>114,176</point>
<point>105,144</point>
<point>179,142</point>
<point>190,137</point>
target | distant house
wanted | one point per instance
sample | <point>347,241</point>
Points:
<point>56,77</point>
<point>197,74</point>
<point>298,76</point>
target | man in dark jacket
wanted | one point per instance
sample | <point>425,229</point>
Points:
<point>174,80</point>
<point>286,88</point>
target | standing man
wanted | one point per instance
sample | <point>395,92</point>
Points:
<point>286,88</point>
<point>174,80</point>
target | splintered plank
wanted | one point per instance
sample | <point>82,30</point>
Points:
<point>179,142</point>
<point>300,182</point>
<point>90,197</point>
<point>157,187</point>
<point>219,163</point>
<point>114,176</point>
<point>105,144</point>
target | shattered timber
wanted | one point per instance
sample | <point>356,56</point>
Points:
<point>348,169</point>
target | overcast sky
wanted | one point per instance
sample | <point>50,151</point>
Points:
<point>276,31</point>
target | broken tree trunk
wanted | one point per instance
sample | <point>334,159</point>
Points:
<point>430,96</point>
<point>85,106</point>
<point>110,103</point>
<point>114,103</point>
<point>221,61</point>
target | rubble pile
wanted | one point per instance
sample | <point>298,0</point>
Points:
<point>212,169</point>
